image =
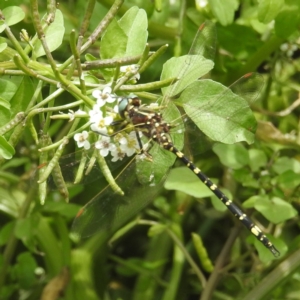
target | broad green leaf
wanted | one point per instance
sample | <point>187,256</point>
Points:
<point>265,255</point>
<point>23,95</point>
<point>24,228</point>
<point>113,42</point>
<point>284,164</point>
<point>156,229</point>
<point>6,232</point>
<point>25,270</point>
<point>184,180</point>
<point>275,210</point>
<point>13,15</point>
<point>9,85</point>
<point>287,22</point>
<point>3,44</point>
<point>11,201</point>
<point>91,79</point>
<point>245,178</point>
<point>258,159</point>
<point>5,116</point>
<point>269,9</point>
<point>4,104</point>
<point>288,180</point>
<point>224,10</point>
<point>134,23</point>
<point>222,115</point>
<point>2,26</point>
<point>67,210</point>
<point>232,156</point>
<point>239,40</point>
<point>6,149</point>
<point>54,35</point>
<point>218,204</point>
<point>250,203</point>
<point>187,73</point>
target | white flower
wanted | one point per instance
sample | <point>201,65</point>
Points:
<point>117,155</point>
<point>104,96</point>
<point>78,113</point>
<point>116,108</point>
<point>132,69</point>
<point>100,125</point>
<point>105,146</point>
<point>95,113</point>
<point>82,140</point>
<point>129,144</point>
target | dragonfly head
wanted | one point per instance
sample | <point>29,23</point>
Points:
<point>122,106</point>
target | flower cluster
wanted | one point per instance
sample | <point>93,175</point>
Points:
<point>100,123</point>
<point>118,145</point>
<point>131,69</point>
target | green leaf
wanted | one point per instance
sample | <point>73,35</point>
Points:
<point>24,269</point>
<point>67,210</point>
<point>2,26</point>
<point>233,156</point>
<point>54,35</point>
<point>9,85</point>
<point>224,10</point>
<point>265,255</point>
<point>258,159</point>
<point>287,22</point>
<point>250,203</point>
<point>284,164</point>
<point>4,103</point>
<point>10,202</point>
<point>91,79</point>
<point>187,73</point>
<point>275,210</point>
<point>239,40</point>
<point>269,9</point>
<point>23,95</point>
<point>217,203</point>
<point>113,42</point>
<point>245,178</point>
<point>222,115</point>
<point>24,228</point>
<point>134,23</point>
<point>13,15</point>
<point>3,44</point>
<point>288,180</point>
<point>156,229</point>
<point>184,180</point>
<point>5,113</point>
<point>6,232</point>
<point>6,149</point>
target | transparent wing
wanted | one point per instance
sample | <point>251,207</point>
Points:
<point>108,210</point>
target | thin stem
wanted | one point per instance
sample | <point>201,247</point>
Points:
<point>223,257</point>
<point>188,257</point>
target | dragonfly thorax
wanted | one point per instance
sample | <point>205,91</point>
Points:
<point>149,122</point>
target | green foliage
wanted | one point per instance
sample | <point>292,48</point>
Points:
<point>54,36</point>
<point>48,75</point>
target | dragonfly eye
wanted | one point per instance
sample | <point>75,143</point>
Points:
<point>122,106</point>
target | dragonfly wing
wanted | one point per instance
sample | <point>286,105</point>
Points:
<point>108,211</point>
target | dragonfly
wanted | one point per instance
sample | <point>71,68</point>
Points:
<point>221,113</point>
